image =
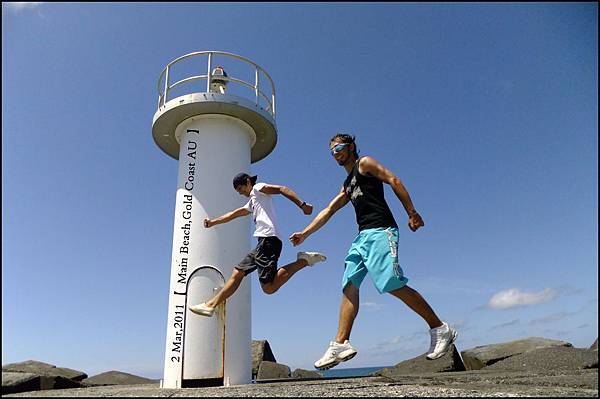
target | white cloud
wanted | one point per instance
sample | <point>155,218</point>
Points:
<point>21,5</point>
<point>514,297</point>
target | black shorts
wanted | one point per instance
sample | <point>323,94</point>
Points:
<point>264,257</point>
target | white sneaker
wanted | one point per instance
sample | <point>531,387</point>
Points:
<point>335,354</point>
<point>311,257</point>
<point>441,339</point>
<point>202,309</point>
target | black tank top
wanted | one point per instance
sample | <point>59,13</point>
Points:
<point>366,194</point>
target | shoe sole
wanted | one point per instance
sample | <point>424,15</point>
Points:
<point>202,313</point>
<point>336,362</point>
<point>321,258</point>
<point>454,335</point>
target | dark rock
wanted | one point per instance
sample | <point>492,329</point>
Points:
<point>451,361</point>
<point>270,370</point>
<point>261,351</point>
<point>549,359</point>
<point>13,382</point>
<point>116,378</point>
<point>483,356</point>
<point>595,345</point>
<point>301,373</point>
<point>45,369</point>
<point>58,382</point>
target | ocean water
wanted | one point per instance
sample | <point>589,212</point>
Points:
<point>350,372</point>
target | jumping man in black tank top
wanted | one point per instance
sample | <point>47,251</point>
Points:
<point>374,250</point>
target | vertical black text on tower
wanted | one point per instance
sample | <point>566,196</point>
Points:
<point>178,317</point>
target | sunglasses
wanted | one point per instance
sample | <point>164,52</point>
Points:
<point>338,147</point>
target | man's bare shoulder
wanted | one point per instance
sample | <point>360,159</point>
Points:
<point>367,159</point>
<point>367,164</point>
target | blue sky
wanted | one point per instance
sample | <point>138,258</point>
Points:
<point>486,112</point>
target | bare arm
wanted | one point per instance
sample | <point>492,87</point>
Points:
<point>336,204</point>
<point>289,194</point>
<point>229,216</point>
<point>372,167</point>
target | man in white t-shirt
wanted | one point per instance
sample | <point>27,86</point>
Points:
<point>266,254</point>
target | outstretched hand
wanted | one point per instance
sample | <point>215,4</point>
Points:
<point>208,223</point>
<point>415,221</point>
<point>297,238</point>
<point>307,209</point>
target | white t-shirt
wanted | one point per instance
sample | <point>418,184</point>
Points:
<point>261,206</point>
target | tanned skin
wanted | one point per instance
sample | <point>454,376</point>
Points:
<point>368,166</point>
<point>283,273</point>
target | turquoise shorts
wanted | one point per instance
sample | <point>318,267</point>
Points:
<point>375,251</point>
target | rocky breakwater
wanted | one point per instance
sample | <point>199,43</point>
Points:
<point>33,375</point>
<point>265,366</point>
<point>530,366</point>
<point>525,367</point>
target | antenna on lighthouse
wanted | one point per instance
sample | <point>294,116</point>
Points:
<point>214,135</point>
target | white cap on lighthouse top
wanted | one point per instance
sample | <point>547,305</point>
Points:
<point>257,110</point>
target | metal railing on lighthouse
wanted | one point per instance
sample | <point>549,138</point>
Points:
<point>164,86</point>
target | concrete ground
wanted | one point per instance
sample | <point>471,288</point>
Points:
<point>467,384</point>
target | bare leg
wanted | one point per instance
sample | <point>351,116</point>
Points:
<point>284,273</point>
<point>228,289</point>
<point>418,304</point>
<point>348,312</point>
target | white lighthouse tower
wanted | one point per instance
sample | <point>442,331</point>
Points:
<point>214,134</point>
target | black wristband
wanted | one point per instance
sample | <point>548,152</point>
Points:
<point>302,204</point>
